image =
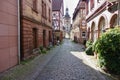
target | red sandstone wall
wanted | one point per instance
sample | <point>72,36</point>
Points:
<point>32,19</point>
<point>27,39</point>
<point>8,34</point>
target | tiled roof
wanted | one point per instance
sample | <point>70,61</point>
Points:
<point>56,4</point>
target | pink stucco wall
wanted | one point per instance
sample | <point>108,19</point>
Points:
<point>8,34</point>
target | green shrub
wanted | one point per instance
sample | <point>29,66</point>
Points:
<point>27,60</point>
<point>89,50</point>
<point>88,43</point>
<point>41,48</point>
<point>48,48</point>
<point>44,51</point>
<point>94,46</point>
<point>108,49</point>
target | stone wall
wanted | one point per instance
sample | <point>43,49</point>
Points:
<point>27,37</point>
<point>35,28</point>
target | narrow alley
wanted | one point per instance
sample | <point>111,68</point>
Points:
<point>64,62</point>
<point>59,39</point>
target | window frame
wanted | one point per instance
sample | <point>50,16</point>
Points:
<point>34,7</point>
<point>44,10</point>
<point>49,14</point>
<point>91,4</point>
<point>84,35</point>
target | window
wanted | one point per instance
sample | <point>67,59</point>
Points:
<point>83,34</point>
<point>92,4</point>
<point>35,5</point>
<point>84,12</point>
<point>44,10</point>
<point>49,15</point>
<point>83,23</point>
<point>81,13</point>
<point>87,7</point>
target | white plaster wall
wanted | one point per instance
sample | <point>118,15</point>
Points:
<point>107,15</point>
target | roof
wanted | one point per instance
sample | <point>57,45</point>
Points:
<point>80,5</point>
<point>76,9</point>
<point>67,15</point>
<point>56,4</point>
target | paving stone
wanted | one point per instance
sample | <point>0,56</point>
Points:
<point>66,66</point>
<point>64,62</point>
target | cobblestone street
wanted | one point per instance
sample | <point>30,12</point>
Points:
<point>60,40</point>
<point>68,64</point>
<point>64,62</point>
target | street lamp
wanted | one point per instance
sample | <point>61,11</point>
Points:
<point>118,9</point>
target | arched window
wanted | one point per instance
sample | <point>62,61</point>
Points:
<point>113,21</point>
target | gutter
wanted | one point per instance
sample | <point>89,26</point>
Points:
<point>19,32</point>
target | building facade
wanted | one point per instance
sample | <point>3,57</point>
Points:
<point>57,18</point>
<point>8,34</point>
<point>101,15</point>
<point>79,23</point>
<point>67,24</point>
<point>36,25</point>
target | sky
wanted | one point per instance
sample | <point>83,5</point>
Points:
<point>71,4</point>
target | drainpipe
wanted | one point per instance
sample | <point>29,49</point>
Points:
<point>18,31</point>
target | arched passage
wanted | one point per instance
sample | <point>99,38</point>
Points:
<point>101,25</point>
<point>113,21</point>
<point>89,33</point>
<point>92,31</point>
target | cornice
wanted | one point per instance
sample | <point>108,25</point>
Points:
<point>35,21</point>
<point>97,12</point>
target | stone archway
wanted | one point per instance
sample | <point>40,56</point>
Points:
<point>88,33</point>
<point>113,21</point>
<point>101,26</point>
<point>92,31</point>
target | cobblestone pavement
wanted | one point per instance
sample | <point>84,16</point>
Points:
<point>64,62</point>
<point>68,64</point>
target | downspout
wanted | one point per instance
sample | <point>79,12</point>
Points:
<point>18,31</point>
